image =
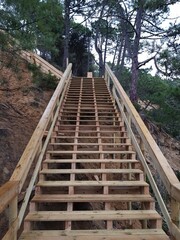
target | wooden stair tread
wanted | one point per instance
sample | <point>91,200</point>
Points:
<point>92,183</point>
<point>91,131</point>
<point>92,170</point>
<point>89,126</point>
<point>89,144</point>
<point>89,137</point>
<point>129,234</point>
<point>93,215</point>
<point>91,161</point>
<point>92,198</point>
<point>90,152</point>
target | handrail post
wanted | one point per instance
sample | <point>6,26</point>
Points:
<point>108,82</point>
<point>106,75</point>
<point>13,213</point>
<point>175,212</point>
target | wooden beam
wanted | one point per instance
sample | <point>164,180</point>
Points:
<point>7,193</point>
<point>97,234</point>
<point>92,183</point>
<point>92,215</point>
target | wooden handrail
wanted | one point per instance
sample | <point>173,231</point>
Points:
<point>43,64</point>
<point>165,171</point>
<point>7,193</point>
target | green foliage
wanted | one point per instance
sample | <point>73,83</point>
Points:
<point>33,23</point>
<point>161,99</point>
<point>78,49</point>
<point>162,102</point>
<point>124,77</point>
<point>42,80</point>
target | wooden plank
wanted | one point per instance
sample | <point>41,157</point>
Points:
<point>91,126</point>
<point>108,122</point>
<point>7,193</point>
<point>91,131</point>
<point>92,198</point>
<point>91,161</point>
<point>89,74</point>
<point>91,183</point>
<point>89,137</point>
<point>11,234</point>
<point>90,152</point>
<point>129,234</point>
<point>93,215</point>
<point>89,144</point>
<point>92,170</point>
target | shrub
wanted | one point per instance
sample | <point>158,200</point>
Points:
<point>42,80</point>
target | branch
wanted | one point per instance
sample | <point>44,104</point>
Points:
<point>96,61</point>
<point>146,61</point>
<point>22,25</point>
<point>161,71</point>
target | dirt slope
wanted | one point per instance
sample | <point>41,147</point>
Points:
<point>21,106</point>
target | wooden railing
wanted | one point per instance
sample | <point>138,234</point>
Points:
<point>40,62</point>
<point>146,141</point>
<point>34,58</point>
<point>31,158</point>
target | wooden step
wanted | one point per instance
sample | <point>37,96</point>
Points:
<point>89,144</point>
<point>92,170</point>
<point>90,152</point>
<point>91,131</point>
<point>90,137</point>
<point>89,107</point>
<point>92,198</point>
<point>106,161</point>
<point>92,183</point>
<point>128,234</point>
<point>116,215</point>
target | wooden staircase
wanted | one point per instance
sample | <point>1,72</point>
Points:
<point>91,184</point>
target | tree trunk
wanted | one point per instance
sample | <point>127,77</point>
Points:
<point>134,68</point>
<point>99,48</point>
<point>67,29</point>
<point>114,57</point>
<point>119,54</point>
<point>89,50</point>
<point>100,54</point>
<point>105,50</point>
<point>123,57</point>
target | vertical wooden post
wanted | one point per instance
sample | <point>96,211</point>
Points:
<point>106,75</point>
<point>67,61</point>
<point>141,144</point>
<point>108,82</point>
<point>89,75</point>
<point>13,211</point>
<point>142,147</point>
<point>175,212</point>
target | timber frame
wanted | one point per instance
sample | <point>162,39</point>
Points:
<point>34,152</point>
